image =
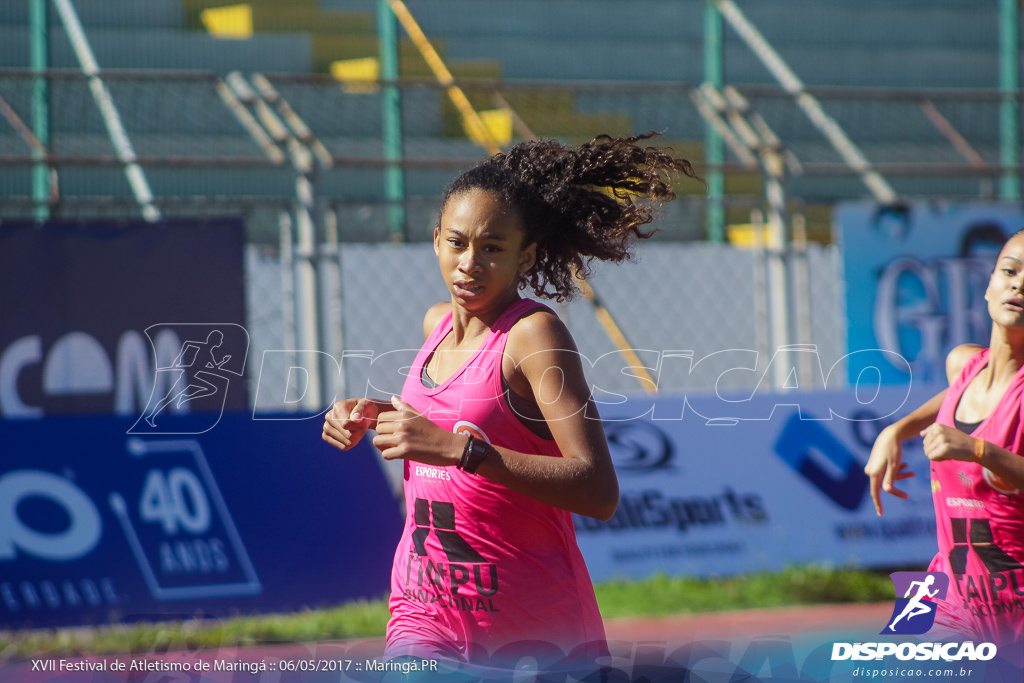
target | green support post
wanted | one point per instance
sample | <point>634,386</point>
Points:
<point>714,146</point>
<point>39,60</point>
<point>391,112</point>
<point>1009,113</point>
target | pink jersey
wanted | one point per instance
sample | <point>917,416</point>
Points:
<point>483,573</point>
<point>980,520</point>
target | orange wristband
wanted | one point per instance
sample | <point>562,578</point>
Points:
<point>979,449</point>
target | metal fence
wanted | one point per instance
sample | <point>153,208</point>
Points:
<point>208,145</point>
<point>302,160</point>
<point>689,311</point>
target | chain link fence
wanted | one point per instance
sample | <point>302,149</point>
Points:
<point>695,314</point>
<point>199,139</point>
<point>210,147</point>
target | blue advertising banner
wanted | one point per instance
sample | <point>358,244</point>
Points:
<point>715,486</point>
<point>99,525</point>
<point>112,318</point>
<point>915,282</point>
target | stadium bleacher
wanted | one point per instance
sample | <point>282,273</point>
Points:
<point>856,43</point>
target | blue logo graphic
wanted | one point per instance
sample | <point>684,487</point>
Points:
<point>914,613</point>
<point>812,450</point>
<point>638,446</point>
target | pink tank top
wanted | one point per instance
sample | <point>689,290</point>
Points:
<point>482,573</point>
<point>980,523</point>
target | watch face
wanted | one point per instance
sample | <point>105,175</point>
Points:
<point>476,447</point>
<point>477,452</point>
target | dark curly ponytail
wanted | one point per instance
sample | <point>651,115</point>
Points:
<point>577,203</point>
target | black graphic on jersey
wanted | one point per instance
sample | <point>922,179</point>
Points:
<point>443,517</point>
<point>976,535</point>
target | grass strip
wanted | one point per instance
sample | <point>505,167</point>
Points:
<point>657,596</point>
<point>662,595</point>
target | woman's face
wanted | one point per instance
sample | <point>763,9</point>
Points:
<point>479,246</point>
<point>1005,292</point>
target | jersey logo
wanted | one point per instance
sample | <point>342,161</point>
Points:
<point>999,484</point>
<point>976,534</point>
<point>439,517</point>
<point>467,428</point>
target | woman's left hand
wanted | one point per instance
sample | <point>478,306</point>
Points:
<point>945,443</point>
<point>405,434</point>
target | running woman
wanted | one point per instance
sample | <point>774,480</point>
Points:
<point>500,436</point>
<point>974,437</point>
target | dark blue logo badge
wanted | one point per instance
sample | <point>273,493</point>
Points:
<point>914,612</point>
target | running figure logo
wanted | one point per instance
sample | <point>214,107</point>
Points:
<point>914,613</point>
<point>202,369</point>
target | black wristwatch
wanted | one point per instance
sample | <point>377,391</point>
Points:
<point>473,454</point>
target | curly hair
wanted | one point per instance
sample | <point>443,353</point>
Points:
<point>577,203</point>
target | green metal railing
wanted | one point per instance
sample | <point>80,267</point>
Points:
<point>194,148</point>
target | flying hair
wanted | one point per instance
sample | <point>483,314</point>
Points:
<point>577,203</point>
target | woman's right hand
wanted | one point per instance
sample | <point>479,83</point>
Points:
<point>886,467</point>
<point>348,421</point>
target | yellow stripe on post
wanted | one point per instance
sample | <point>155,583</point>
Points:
<point>617,336</point>
<point>474,127</point>
<point>233,22</point>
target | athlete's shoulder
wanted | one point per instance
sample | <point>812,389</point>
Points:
<point>434,315</point>
<point>957,359</point>
<point>539,329</point>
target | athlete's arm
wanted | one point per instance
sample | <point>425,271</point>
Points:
<point>1005,464</point>
<point>885,465</point>
<point>582,481</point>
<point>945,443</point>
<point>350,419</point>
